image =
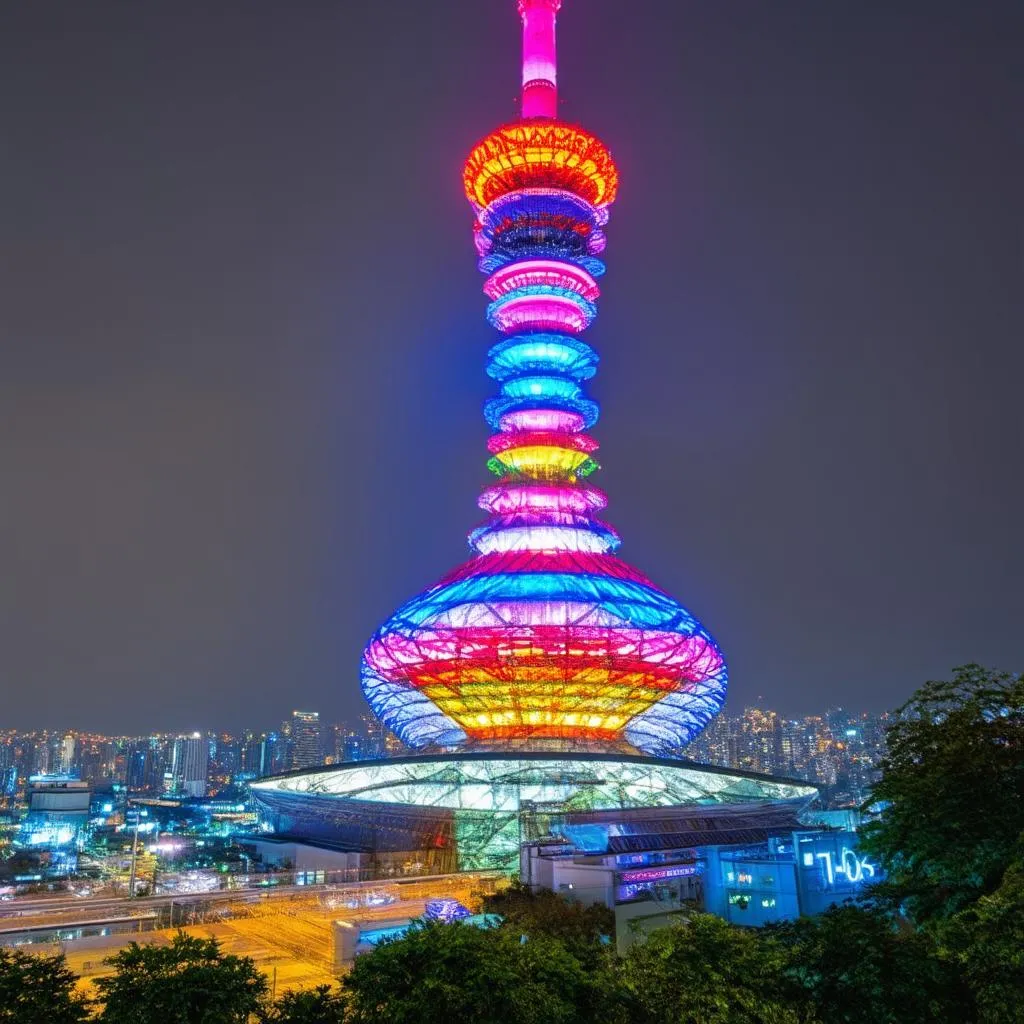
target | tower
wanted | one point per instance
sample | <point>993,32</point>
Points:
<point>544,639</point>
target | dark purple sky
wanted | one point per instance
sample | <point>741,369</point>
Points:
<point>243,344</point>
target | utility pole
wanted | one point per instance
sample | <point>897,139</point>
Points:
<point>135,851</point>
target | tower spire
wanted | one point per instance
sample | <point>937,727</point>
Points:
<point>540,67</point>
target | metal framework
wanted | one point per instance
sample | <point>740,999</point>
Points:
<point>544,637</point>
<point>482,806</point>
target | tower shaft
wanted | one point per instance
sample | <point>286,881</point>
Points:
<point>540,72</point>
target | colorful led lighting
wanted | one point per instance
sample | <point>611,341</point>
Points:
<point>554,420</point>
<point>548,154</point>
<point>541,307</point>
<point>541,353</point>
<point>542,538</point>
<point>497,410</point>
<point>513,499</point>
<point>554,273</point>
<point>542,462</point>
<point>542,387</point>
<point>543,635</point>
<point>581,442</point>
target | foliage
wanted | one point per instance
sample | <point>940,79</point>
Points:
<point>34,989</point>
<point>188,982</point>
<point>443,973</point>
<point>950,793</point>
<point>316,1006</point>
<point>710,972</point>
<point>987,942</point>
<point>857,967</point>
<point>582,929</point>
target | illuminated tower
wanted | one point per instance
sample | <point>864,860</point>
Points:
<point>544,639</point>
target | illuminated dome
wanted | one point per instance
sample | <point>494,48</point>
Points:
<point>544,638</point>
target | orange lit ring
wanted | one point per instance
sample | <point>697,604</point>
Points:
<point>538,154</point>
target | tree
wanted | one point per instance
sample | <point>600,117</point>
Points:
<point>857,967</point>
<point>710,972</point>
<point>583,930</point>
<point>34,989</point>
<point>987,941</point>
<point>443,973</point>
<point>188,982</point>
<point>950,794</point>
<point>316,1006</point>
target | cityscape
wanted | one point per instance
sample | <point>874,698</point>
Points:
<point>837,751</point>
<point>559,801</point>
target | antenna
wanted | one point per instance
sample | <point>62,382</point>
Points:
<point>540,66</point>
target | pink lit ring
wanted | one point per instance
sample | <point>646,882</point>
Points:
<point>541,312</point>
<point>509,499</point>
<point>556,439</point>
<point>554,273</point>
<point>556,420</point>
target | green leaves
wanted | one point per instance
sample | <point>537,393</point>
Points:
<point>188,982</point>
<point>316,1006</point>
<point>952,791</point>
<point>34,989</point>
<point>443,973</point>
<point>858,966</point>
<point>710,972</point>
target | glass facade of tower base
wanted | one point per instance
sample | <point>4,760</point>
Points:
<point>482,807</point>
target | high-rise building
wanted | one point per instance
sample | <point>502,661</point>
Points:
<point>305,739</point>
<point>191,764</point>
<point>67,754</point>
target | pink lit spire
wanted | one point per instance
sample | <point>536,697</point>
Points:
<point>540,71</point>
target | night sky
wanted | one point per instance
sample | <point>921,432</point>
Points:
<point>243,342</point>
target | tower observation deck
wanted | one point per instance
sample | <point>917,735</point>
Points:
<point>544,639</point>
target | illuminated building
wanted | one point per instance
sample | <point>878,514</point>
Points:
<point>191,764</point>
<point>305,746</point>
<point>545,686</point>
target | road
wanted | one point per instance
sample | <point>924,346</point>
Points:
<point>60,911</point>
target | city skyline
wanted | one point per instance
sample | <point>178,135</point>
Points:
<point>837,749</point>
<point>237,448</point>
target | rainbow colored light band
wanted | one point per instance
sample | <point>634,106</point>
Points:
<point>544,636</point>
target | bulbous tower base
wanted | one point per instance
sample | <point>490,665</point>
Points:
<point>544,650</point>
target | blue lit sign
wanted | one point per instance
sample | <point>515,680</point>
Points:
<point>846,867</point>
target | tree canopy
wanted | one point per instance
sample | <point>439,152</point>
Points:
<point>34,989</point>
<point>583,929</point>
<point>442,973</point>
<point>951,793</point>
<point>710,972</point>
<point>857,965</point>
<point>191,981</point>
<point>320,1005</point>
<point>986,941</point>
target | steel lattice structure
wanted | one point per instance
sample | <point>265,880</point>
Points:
<point>481,805</point>
<point>544,637</point>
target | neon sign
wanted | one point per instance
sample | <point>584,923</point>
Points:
<point>848,868</point>
<point>660,874</point>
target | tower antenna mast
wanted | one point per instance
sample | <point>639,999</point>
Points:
<point>540,65</point>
